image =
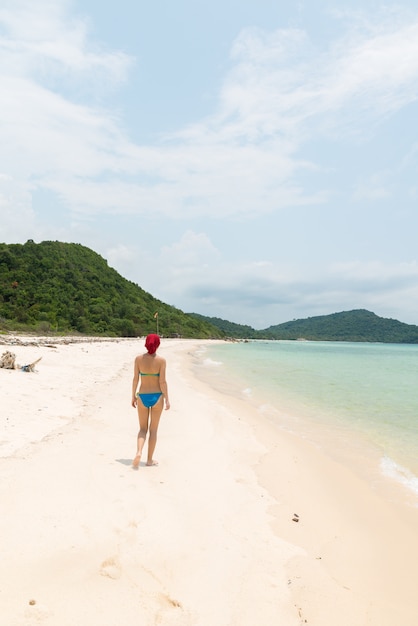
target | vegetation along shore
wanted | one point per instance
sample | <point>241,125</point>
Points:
<point>66,288</point>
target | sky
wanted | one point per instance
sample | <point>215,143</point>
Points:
<point>253,160</point>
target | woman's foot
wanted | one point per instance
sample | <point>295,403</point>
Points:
<point>135,462</point>
<point>150,463</point>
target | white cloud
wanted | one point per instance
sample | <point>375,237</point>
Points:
<point>193,275</point>
<point>121,255</point>
<point>42,39</point>
<point>17,215</point>
<point>193,250</point>
<point>262,293</point>
<point>240,161</point>
<point>280,81</point>
<point>167,272</point>
<point>377,187</point>
<point>380,73</point>
<point>280,93</point>
<point>378,272</point>
<point>47,138</point>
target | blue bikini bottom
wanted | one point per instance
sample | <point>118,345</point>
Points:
<point>149,399</point>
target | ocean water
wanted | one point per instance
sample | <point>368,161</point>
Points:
<point>351,398</point>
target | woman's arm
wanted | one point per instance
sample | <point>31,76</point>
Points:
<point>163,383</point>
<point>135,381</point>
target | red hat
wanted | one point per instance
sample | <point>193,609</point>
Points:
<point>151,343</point>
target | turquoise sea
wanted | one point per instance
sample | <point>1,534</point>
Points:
<point>353,399</point>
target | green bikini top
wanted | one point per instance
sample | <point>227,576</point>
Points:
<point>145,374</point>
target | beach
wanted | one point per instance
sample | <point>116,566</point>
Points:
<point>240,523</point>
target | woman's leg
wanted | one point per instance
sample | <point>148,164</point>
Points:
<point>143,416</point>
<point>156,411</point>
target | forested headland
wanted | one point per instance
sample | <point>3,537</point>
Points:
<point>68,288</point>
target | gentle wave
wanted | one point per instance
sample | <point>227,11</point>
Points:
<point>211,363</point>
<point>402,475</point>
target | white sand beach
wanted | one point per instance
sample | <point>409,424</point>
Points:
<point>206,538</point>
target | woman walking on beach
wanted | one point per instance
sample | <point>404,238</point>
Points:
<point>149,372</point>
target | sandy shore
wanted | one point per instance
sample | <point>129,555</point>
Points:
<point>207,538</point>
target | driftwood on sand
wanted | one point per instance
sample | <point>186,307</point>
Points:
<point>8,362</point>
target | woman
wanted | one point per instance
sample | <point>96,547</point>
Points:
<point>149,369</point>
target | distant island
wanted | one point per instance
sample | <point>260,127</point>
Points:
<point>356,325</point>
<point>65,288</point>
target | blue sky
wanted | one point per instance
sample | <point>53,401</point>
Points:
<point>250,160</point>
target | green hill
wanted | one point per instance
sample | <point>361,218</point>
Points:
<point>67,288</point>
<point>230,329</point>
<point>357,325</point>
